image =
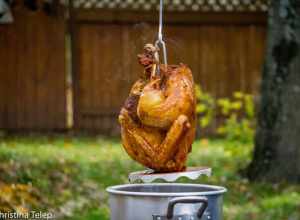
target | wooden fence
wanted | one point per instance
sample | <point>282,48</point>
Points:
<point>225,53</point>
<point>225,56</point>
<point>32,72</point>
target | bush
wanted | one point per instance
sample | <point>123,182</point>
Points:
<point>235,115</point>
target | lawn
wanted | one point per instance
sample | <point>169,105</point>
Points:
<point>67,176</point>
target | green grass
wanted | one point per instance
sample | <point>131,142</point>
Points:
<point>68,176</point>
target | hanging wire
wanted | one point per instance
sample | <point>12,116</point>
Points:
<point>160,42</point>
<point>161,8</point>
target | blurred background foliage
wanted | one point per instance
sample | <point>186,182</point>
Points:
<point>232,118</point>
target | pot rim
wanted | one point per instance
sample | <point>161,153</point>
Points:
<point>117,190</point>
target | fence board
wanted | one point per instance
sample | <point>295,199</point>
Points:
<point>32,73</point>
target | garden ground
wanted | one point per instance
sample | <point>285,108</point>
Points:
<point>68,176</point>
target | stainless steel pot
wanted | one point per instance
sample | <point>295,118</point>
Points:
<point>166,201</point>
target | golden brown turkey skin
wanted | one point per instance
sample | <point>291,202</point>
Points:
<point>158,119</point>
<point>159,106</point>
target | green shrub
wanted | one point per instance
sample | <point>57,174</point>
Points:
<point>235,115</point>
<point>206,106</point>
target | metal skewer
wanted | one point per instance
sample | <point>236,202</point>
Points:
<point>160,42</point>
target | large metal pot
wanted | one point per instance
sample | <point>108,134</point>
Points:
<point>166,201</point>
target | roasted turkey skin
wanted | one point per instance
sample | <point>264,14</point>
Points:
<point>158,119</point>
<point>163,100</point>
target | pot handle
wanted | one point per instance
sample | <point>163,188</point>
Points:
<point>188,199</point>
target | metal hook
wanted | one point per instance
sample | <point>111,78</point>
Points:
<point>160,42</point>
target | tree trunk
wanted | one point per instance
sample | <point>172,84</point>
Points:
<point>277,142</point>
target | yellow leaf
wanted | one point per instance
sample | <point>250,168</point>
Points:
<point>21,210</point>
<point>238,95</point>
<point>201,108</point>
<point>221,130</point>
<point>236,105</point>
<point>204,142</point>
<point>204,122</point>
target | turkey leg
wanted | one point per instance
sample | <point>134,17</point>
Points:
<point>168,149</point>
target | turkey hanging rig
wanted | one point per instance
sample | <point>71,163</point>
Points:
<point>158,119</point>
<point>160,42</point>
